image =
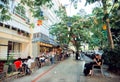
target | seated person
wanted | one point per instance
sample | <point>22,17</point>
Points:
<point>38,62</point>
<point>97,61</point>
<point>25,67</point>
<point>18,64</point>
<point>47,61</point>
<point>29,61</point>
<point>28,65</point>
<point>42,60</point>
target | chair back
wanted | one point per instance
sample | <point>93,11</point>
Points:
<point>102,61</point>
<point>5,68</point>
<point>101,68</point>
<point>13,68</point>
<point>33,64</point>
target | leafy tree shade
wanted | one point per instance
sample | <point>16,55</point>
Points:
<point>81,29</point>
<point>111,17</point>
<point>109,14</point>
<point>71,29</point>
<point>4,14</point>
<point>99,35</point>
<point>111,56</point>
<point>35,6</point>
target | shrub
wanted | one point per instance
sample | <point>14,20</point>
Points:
<point>112,58</point>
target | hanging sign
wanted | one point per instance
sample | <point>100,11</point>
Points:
<point>39,22</point>
<point>104,27</point>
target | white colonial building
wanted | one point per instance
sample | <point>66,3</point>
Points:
<point>42,40</point>
<point>18,39</point>
<point>15,34</point>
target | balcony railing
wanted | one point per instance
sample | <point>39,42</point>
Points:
<point>3,55</point>
<point>13,53</point>
<point>15,32</point>
<point>21,15</point>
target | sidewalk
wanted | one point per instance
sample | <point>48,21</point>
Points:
<point>107,74</point>
<point>68,70</point>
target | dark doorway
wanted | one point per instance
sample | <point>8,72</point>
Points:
<point>10,43</point>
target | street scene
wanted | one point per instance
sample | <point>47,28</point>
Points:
<point>68,70</point>
<point>59,40</point>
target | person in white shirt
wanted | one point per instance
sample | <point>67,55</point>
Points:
<point>42,60</point>
<point>29,61</point>
<point>52,58</point>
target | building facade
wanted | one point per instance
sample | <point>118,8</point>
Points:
<point>18,39</point>
<point>42,40</point>
<point>15,34</point>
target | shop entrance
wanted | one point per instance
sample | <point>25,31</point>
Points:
<point>13,48</point>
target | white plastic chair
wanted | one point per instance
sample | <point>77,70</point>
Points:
<point>94,68</point>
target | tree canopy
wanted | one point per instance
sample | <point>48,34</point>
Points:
<point>78,28</point>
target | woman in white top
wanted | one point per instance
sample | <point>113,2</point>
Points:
<point>29,61</point>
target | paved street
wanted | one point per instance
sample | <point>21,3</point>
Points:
<point>68,70</point>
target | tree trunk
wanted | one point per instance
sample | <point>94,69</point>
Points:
<point>109,35</point>
<point>108,24</point>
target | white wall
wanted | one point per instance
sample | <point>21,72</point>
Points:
<point>41,29</point>
<point>3,49</point>
<point>36,49</point>
<point>50,18</point>
<point>25,50</point>
<point>18,23</point>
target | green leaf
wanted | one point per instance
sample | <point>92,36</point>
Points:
<point>1,6</point>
